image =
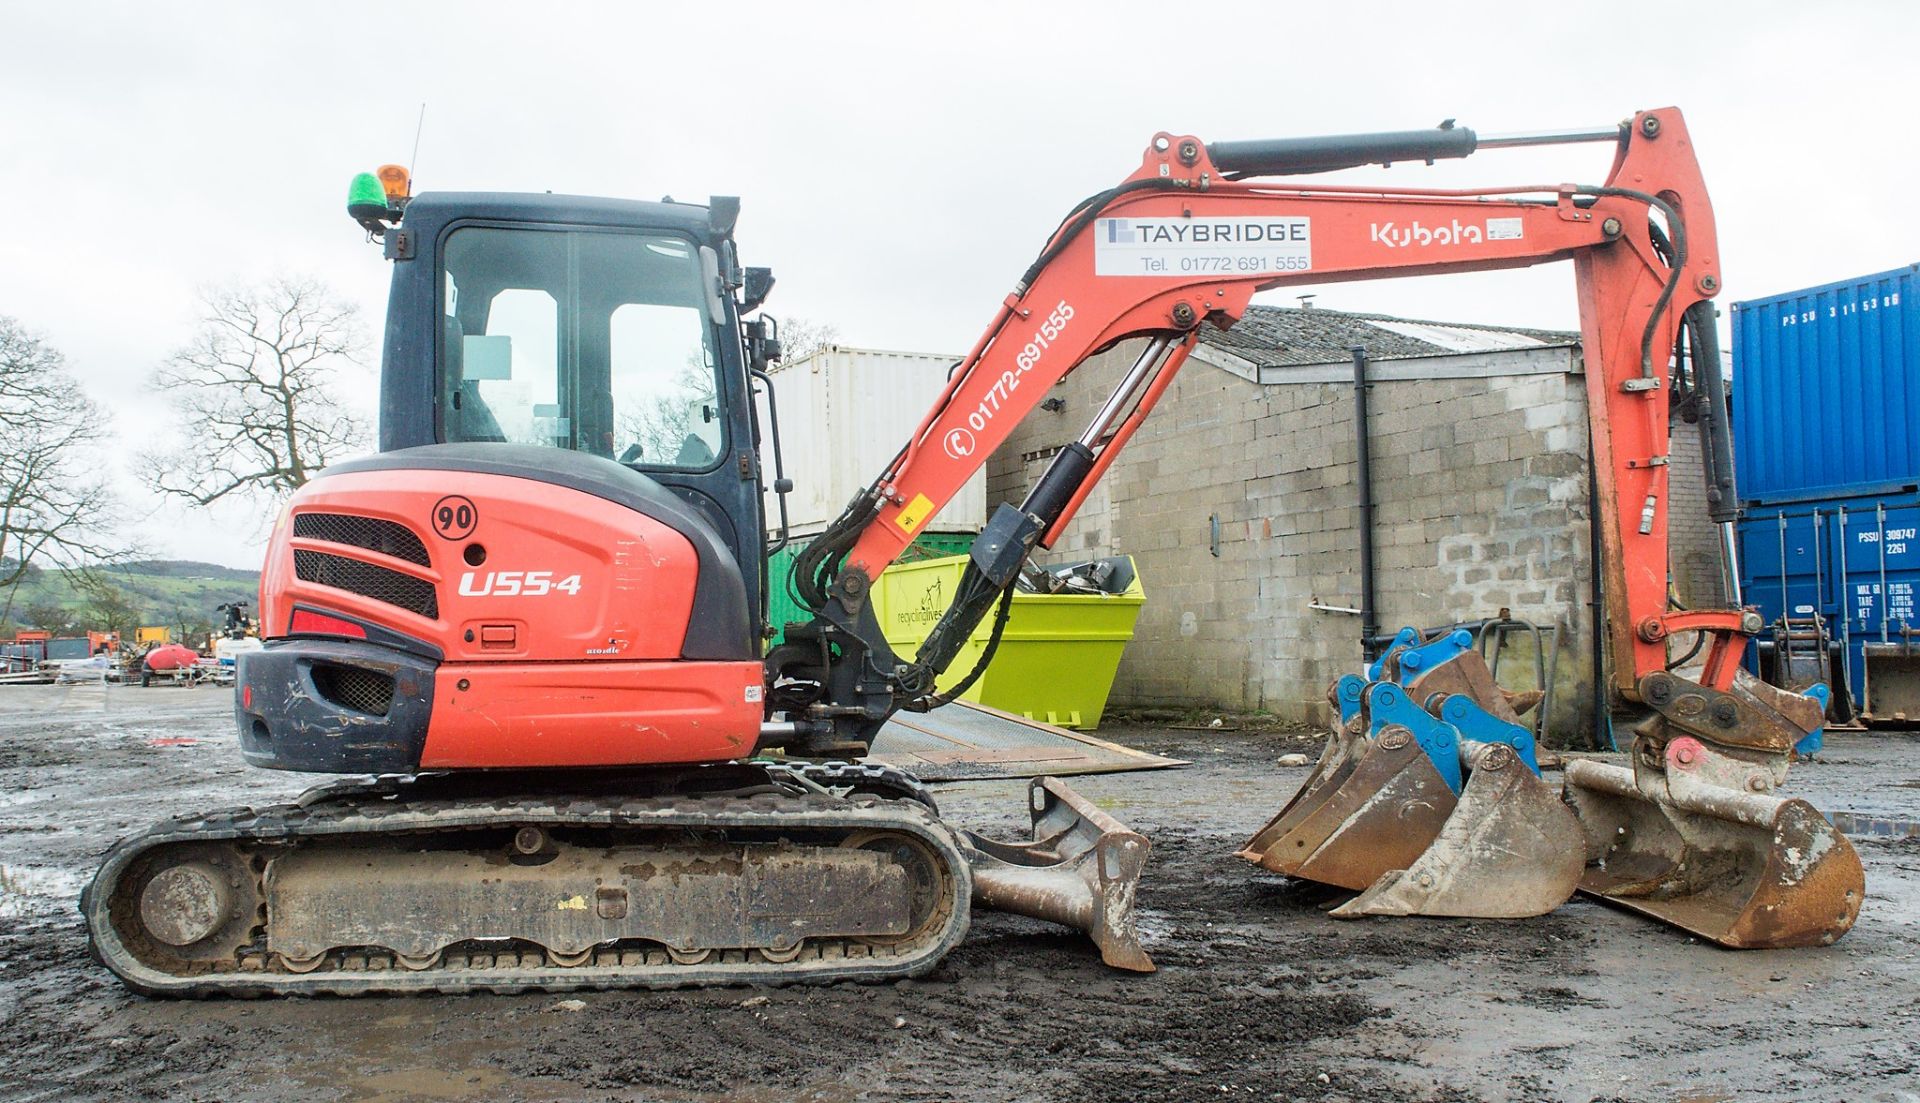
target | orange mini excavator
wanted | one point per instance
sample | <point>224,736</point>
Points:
<point>537,612</point>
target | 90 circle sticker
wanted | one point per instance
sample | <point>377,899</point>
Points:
<point>454,517</point>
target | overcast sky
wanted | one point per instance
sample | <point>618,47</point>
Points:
<point>898,167</point>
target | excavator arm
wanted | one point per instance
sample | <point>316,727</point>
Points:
<point>1186,241</point>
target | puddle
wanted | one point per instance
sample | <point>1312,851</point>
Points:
<point>420,1083</point>
<point>28,891</point>
<point>1154,926</point>
<point>416,1083</point>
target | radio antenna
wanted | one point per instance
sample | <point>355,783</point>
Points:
<point>413,163</point>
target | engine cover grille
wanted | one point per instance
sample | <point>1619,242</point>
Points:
<point>371,533</point>
<point>403,591</point>
<point>354,687</point>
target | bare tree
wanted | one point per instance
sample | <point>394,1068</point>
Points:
<point>254,392</point>
<point>190,626</point>
<point>663,427</point>
<point>108,606</point>
<point>802,337</point>
<point>49,616</point>
<point>55,506</point>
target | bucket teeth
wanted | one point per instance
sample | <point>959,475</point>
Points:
<point>1524,701</point>
<point>1081,870</point>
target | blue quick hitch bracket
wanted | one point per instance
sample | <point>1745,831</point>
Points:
<point>1476,723</point>
<point>1809,744</point>
<point>1406,637</point>
<point>1347,692</point>
<point>1389,704</point>
<point>1423,658</point>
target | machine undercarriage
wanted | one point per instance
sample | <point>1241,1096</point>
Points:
<point>721,875</point>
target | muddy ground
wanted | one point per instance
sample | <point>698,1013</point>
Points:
<point>1259,994</point>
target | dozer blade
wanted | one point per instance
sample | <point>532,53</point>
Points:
<point>1373,806</point>
<point>1081,870</point>
<point>1512,848</point>
<point>1744,869</point>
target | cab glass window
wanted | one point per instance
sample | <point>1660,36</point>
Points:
<point>594,341</point>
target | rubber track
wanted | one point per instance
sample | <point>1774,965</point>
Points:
<point>350,808</point>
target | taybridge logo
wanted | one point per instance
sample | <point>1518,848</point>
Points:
<point>1199,231</point>
<point>1395,236</point>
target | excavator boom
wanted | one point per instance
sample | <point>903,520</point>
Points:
<point>1187,240</point>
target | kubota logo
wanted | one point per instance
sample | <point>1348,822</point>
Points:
<point>1395,236</point>
<point>1417,234</point>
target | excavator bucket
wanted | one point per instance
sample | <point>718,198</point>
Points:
<point>1081,870</point>
<point>1427,797</point>
<point>1745,869</point>
<point>1510,849</point>
<point>1692,833</point>
<point>1373,807</point>
<point>1343,747</point>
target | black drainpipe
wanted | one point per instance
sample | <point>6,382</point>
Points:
<point>1363,475</point>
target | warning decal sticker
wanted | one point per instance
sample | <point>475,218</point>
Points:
<point>915,514</point>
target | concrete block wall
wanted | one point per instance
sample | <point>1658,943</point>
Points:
<point>1238,502</point>
<point>1694,539</point>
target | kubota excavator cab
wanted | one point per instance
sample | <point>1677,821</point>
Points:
<point>566,420</point>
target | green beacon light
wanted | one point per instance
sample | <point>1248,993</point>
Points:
<point>367,202</point>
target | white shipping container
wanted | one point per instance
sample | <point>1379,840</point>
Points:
<point>844,413</point>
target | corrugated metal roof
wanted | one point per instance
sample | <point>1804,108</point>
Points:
<point>1272,336</point>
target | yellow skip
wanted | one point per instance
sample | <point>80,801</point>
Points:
<point>572,904</point>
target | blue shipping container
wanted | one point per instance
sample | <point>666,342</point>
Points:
<point>1826,390</point>
<point>1855,562</point>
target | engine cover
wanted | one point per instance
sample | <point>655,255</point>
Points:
<point>496,606</point>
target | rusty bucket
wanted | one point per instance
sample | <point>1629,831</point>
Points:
<point>1743,868</point>
<point>1081,870</point>
<point>1512,848</point>
<point>1371,805</point>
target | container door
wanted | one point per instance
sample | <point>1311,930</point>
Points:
<point>1882,569</point>
<point>1787,566</point>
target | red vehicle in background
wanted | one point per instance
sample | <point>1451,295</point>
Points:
<point>169,659</point>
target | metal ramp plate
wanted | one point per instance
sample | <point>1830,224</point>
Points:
<point>963,741</point>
